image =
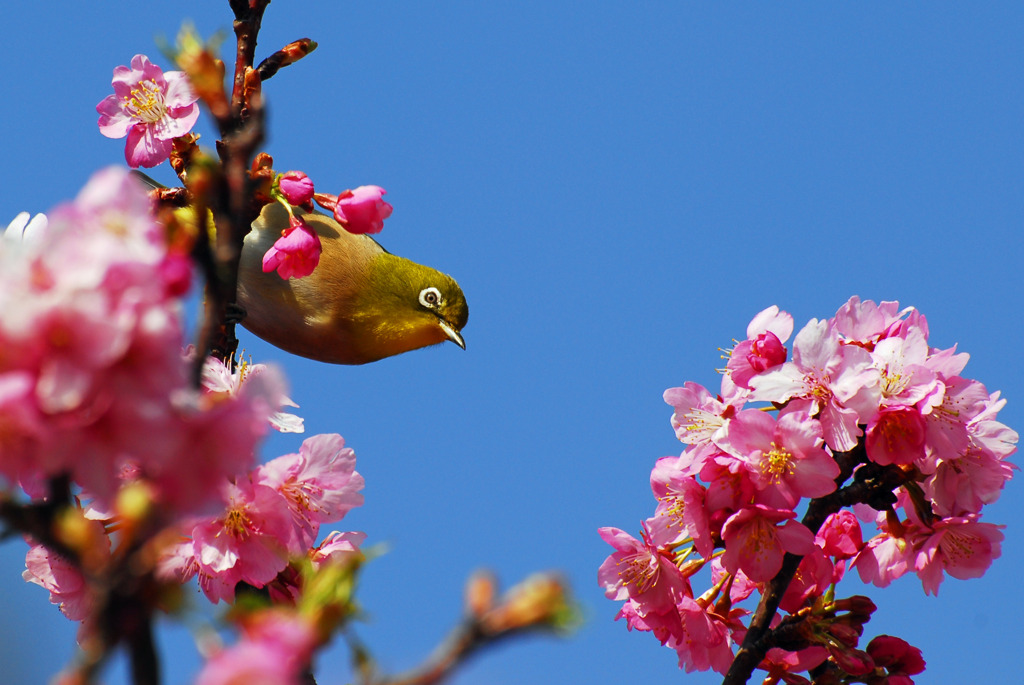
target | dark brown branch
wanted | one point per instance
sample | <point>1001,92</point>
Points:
<point>872,484</point>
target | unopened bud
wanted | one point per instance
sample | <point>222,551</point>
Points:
<point>848,635</point>
<point>853,661</point>
<point>538,600</point>
<point>480,591</point>
<point>858,605</point>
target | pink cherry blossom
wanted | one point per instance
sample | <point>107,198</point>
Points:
<point>785,457</point>
<point>680,513</point>
<point>362,210</point>
<point>704,642</point>
<point>885,557</point>
<point>730,486</point>
<point>276,648</point>
<point>865,323</point>
<point>246,543</point>
<point>319,484</point>
<point>741,586</point>
<point>698,417</point>
<point>90,324</point>
<point>639,571</point>
<point>838,383</point>
<point>896,436</point>
<point>963,547</point>
<point>783,665</point>
<point>841,539</point>
<point>946,425</point>
<point>337,548</point>
<point>963,485</point>
<point>813,577</point>
<point>151,107</point>
<point>665,625</point>
<point>220,382</point>
<point>906,378</point>
<point>65,582</point>
<point>755,543</point>
<point>296,253</point>
<point>989,435</point>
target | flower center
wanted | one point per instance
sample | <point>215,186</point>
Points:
<point>146,102</point>
<point>893,382</point>
<point>639,571</point>
<point>777,463</point>
<point>237,523</point>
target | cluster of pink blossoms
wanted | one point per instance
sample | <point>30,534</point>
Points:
<point>93,384</point>
<point>863,392</point>
<point>94,391</point>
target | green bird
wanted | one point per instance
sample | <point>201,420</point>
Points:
<point>360,304</point>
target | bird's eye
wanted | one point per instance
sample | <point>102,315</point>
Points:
<point>430,297</point>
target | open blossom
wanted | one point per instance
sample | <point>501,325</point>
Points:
<point>319,485</point>
<point>296,253</point>
<point>896,436</point>
<point>638,571</point>
<point>362,210</point>
<point>865,323</point>
<point>680,513</point>
<point>67,586</point>
<point>785,457</point>
<point>962,547</point>
<point>275,647</point>
<point>705,642</point>
<point>838,383</point>
<point>698,417</point>
<point>219,381</point>
<point>151,107</point>
<point>756,544</point>
<point>865,383</point>
<point>246,543</point>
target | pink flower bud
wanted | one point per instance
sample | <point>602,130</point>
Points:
<point>766,351</point>
<point>296,187</point>
<point>896,655</point>
<point>362,210</point>
<point>296,253</point>
<point>853,661</point>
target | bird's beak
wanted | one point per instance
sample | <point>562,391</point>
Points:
<point>452,334</point>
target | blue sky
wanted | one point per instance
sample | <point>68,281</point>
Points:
<point>618,188</point>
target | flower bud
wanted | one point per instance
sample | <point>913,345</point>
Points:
<point>853,661</point>
<point>362,210</point>
<point>296,187</point>
<point>480,591</point>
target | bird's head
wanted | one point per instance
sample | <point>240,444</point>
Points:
<point>405,306</point>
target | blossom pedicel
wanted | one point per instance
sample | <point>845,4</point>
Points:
<point>862,396</point>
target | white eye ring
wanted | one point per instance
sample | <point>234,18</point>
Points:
<point>431,297</point>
